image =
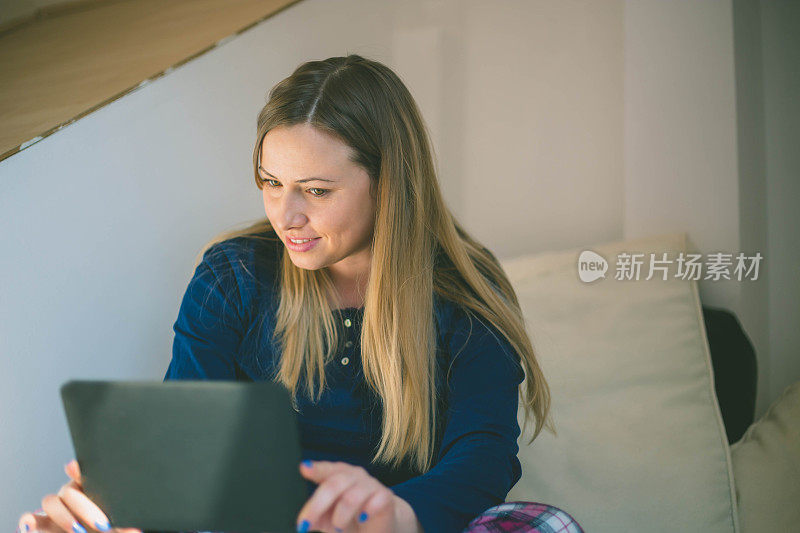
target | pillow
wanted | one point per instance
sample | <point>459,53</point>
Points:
<point>766,465</point>
<point>641,444</point>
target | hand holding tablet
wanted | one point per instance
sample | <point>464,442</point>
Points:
<point>69,507</point>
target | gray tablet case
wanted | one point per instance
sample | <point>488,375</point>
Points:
<point>188,455</point>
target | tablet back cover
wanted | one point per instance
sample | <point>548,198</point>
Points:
<point>188,455</point>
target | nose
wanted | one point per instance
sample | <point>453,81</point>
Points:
<point>290,211</point>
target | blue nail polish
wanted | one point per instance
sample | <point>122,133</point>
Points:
<point>363,517</point>
<point>27,527</point>
<point>303,527</point>
<point>77,528</point>
<point>339,530</point>
<point>307,463</point>
<point>102,526</point>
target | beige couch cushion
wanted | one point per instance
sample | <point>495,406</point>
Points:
<point>766,466</point>
<point>641,444</point>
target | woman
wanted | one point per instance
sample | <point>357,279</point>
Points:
<point>398,336</point>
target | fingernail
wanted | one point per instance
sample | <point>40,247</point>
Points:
<point>303,527</point>
<point>77,528</point>
<point>339,530</point>
<point>363,517</point>
<point>102,526</point>
<point>307,463</point>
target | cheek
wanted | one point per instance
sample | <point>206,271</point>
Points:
<point>269,210</point>
<point>265,200</point>
<point>362,224</point>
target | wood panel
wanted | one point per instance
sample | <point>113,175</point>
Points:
<point>55,69</point>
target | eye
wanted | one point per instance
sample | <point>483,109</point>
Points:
<point>319,193</point>
<point>322,193</point>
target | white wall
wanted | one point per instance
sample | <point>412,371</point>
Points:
<point>680,127</point>
<point>681,158</point>
<point>556,124</point>
<point>525,105</point>
<point>541,98</point>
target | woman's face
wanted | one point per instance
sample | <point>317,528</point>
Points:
<point>311,189</point>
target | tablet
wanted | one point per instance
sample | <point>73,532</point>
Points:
<point>188,455</point>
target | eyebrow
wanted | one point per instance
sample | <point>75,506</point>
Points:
<point>304,180</point>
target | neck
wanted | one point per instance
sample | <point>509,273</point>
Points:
<point>347,297</point>
<point>350,284</point>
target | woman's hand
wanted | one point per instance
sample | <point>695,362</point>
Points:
<point>349,500</point>
<point>69,510</point>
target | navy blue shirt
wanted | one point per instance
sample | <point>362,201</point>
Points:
<point>224,332</point>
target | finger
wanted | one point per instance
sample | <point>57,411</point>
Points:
<point>319,471</point>
<point>378,512</point>
<point>83,508</point>
<point>324,496</point>
<point>30,522</point>
<point>318,510</point>
<point>73,470</point>
<point>58,513</point>
<point>350,506</point>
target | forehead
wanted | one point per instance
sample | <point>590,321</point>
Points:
<point>303,148</point>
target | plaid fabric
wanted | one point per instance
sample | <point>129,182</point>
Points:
<point>523,517</point>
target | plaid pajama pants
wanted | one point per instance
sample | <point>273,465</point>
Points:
<point>523,517</point>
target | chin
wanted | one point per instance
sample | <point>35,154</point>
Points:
<point>308,264</point>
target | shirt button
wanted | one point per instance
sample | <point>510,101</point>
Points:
<point>345,360</point>
<point>348,344</point>
<point>347,322</point>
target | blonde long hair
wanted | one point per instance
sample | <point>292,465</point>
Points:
<point>418,249</point>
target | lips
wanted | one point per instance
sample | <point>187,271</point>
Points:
<point>302,246</point>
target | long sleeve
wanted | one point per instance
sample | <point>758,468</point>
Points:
<point>209,327</point>
<point>477,463</point>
